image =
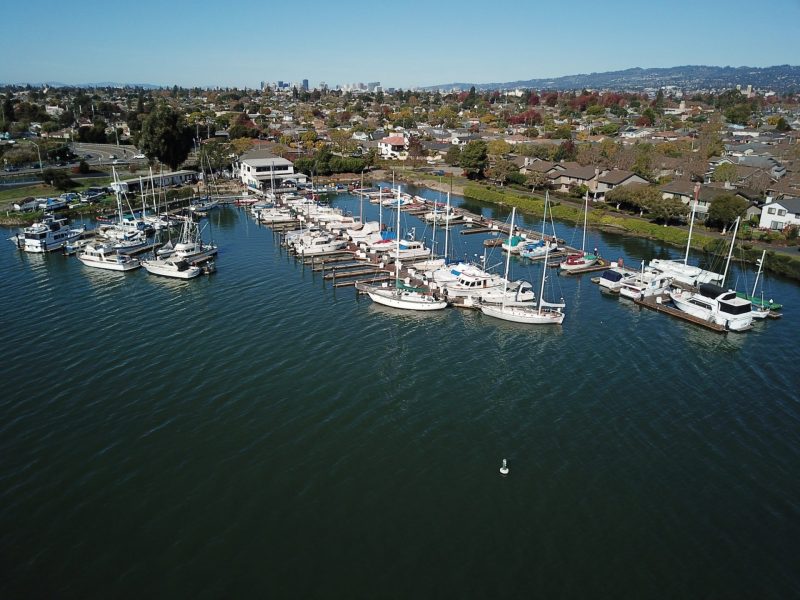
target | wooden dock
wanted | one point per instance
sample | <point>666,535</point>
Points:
<point>658,304</point>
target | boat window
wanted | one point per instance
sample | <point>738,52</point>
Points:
<point>735,309</point>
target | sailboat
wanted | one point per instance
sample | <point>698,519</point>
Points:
<point>575,262</point>
<point>401,296</point>
<point>538,248</point>
<point>714,303</point>
<point>541,314</point>
<point>683,272</point>
<point>761,307</point>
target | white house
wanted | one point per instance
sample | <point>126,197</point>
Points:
<point>263,171</point>
<point>609,180</point>
<point>780,214</point>
<point>394,146</point>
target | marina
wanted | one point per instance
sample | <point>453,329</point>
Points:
<point>254,387</point>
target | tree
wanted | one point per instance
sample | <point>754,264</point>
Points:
<point>665,210</point>
<point>415,150</point>
<point>166,136</point>
<point>501,170</point>
<point>453,156</point>
<point>536,179</point>
<point>241,145</point>
<point>782,125</point>
<point>724,209</point>
<point>473,159</point>
<point>724,172</point>
<point>58,179</point>
<point>498,148</point>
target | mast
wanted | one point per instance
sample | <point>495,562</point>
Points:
<point>446,229</point>
<point>380,209</point>
<point>691,222</point>
<point>397,244</point>
<point>508,259</point>
<point>361,193</point>
<point>544,216</point>
<point>730,252</point>
<point>585,211</point>
<point>544,272</point>
<point>758,273</point>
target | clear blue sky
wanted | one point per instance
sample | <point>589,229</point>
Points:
<point>400,44</point>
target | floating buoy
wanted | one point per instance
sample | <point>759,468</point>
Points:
<point>504,468</point>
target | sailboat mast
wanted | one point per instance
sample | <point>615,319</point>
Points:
<point>730,251</point>
<point>446,229</point>
<point>585,211</point>
<point>691,222</point>
<point>758,273</point>
<point>397,242</point>
<point>544,272</point>
<point>380,209</point>
<point>508,257</point>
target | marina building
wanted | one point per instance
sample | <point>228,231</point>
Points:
<point>262,171</point>
<point>158,181</point>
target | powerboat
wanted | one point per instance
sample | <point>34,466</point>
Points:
<point>46,235</point>
<point>715,304</point>
<point>103,256</point>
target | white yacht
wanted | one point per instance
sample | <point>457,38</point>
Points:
<point>320,244</point>
<point>47,235</point>
<point>409,250</point>
<point>685,274</point>
<point>715,304</point>
<point>645,284</point>
<point>171,267</point>
<point>103,256</point>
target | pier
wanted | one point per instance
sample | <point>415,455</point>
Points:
<point>658,304</point>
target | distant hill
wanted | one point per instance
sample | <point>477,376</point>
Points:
<point>778,78</point>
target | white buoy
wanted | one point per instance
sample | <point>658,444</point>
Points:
<point>504,468</point>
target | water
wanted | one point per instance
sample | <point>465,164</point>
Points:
<point>255,433</point>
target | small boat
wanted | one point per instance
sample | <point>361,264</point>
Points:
<point>203,204</point>
<point>103,256</point>
<point>320,244</point>
<point>576,262</point>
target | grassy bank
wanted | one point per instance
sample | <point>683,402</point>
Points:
<point>602,218</point>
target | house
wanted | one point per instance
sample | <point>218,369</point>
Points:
<point>613,179</point>
<point>685,192</point>
<point>262,171</point>
<point>571,176</point>
<point>393,147</point>
<point>538,165</point>
<point>781,213</point>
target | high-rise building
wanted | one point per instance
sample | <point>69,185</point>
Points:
<point>372,85</point>
<point>305,84</point>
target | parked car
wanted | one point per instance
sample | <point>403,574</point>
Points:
<point>139,156</point>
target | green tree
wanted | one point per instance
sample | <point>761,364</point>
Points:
<point>453,156</point>
<point>724,209</point>
<point>666,210</point>
<point>498,148</point>
<point>724,172</point>
<point>501,170</point>
<point>739,113</point>
<point>782,125</point>
<point>58,179</point>
<point>166,136</point>
<point>473,159</point>
<point>536,179</point>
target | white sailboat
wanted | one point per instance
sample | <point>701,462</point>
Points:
<point>683,272</point>
<point>541,314</point>
<point>399,295</point>
<point>575,262</point>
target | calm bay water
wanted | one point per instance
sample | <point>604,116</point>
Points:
<point>256,433</point>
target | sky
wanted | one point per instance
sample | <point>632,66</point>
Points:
<point>401,44</point>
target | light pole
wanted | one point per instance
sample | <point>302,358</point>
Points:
<point>39,154</point>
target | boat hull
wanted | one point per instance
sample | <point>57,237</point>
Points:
<point>405,300</point>
<point>523,314</point>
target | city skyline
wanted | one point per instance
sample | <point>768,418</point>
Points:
<point>424,45</point>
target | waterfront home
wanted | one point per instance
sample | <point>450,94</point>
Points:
<point>780,213</point>
<point>615,178</point>
<point>393,147</point>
